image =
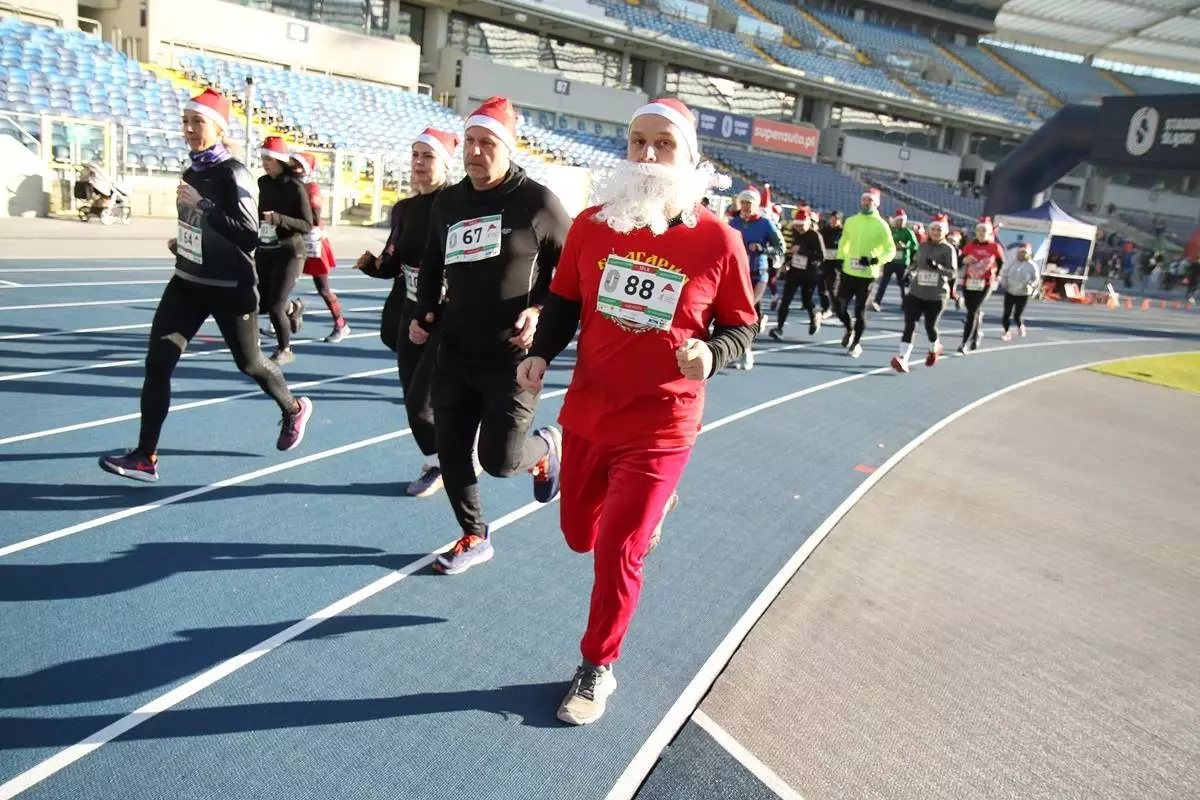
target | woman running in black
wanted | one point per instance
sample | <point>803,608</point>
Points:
<point>432,153</point>
<point>214,276</point>
<point>286,217</point>
<point>803,273</point>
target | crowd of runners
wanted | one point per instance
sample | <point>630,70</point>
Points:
<point>493,280</point>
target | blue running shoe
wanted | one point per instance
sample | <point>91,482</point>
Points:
<point>546,473</point>
<point>466,553</point>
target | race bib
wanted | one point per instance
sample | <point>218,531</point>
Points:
<point>267,233</point>
<point>312,243</point>
<point>976,284</point>
<point>410,282</point>
<point>831,254</point>
<point>189,243</point>
<point>799,261</point>
<point>473,240</point>
<point>639,294</point>
<point>928,277</point>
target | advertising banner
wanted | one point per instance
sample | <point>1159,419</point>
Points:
<point>723,125</point>
<point>783,137</point>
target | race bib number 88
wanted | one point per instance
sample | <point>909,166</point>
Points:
<point>473,240</point>
<point>639,294</point>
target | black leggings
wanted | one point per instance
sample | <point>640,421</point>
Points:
<point>914,309</point>
<point>415,364</point>
<point>488,401</point>
<point>278,270</point>
<point>805,282</point>
<point>896,268</point>
<point>860,289</point>
<point>181,311</point>
<point>973,320</point>
<point>1014,307</point>
<point>831,273</point>
<point>389,321</point>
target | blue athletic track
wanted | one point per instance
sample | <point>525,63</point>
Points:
<point>265,625</point>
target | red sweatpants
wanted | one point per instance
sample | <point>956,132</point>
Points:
<point>612,500</point>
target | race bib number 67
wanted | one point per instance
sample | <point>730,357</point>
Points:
<point>639,294</point>
<point>473,240</point>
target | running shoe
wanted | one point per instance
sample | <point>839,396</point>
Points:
<point>428,483</point>
<point>468,551</point>
<point>656,537</point>
<point>588,695</point>
<point>1006,337</point>
<point>975,342</point>
<point>134,465</point>
<point>296,316</point>
<point>291,429</point>
<point>776,333</point>
<point>875,305</point>
<point>283,357</point>
<point>900,364</point>
<point>814,325</point>
<point>1021,330</point>
<point>962,349</point>
<point>934,354</point>
<point>748,359</point>
<point>547,472</point>
<point>856,351</point>
<point>339,333</point>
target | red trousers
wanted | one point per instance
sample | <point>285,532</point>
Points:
<point>612,500</point>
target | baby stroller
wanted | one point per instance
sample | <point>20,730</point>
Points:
<point>101,197</point>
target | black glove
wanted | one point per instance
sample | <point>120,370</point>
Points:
<point>865,262</point>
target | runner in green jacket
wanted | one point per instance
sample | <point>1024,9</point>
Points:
<point>906,249</point>
<point>866,246</point>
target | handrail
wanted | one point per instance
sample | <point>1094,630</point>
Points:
<point>16,124</point>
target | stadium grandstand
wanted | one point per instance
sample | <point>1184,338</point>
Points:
<point>820,98</point>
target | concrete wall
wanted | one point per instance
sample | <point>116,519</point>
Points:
<point>1166,203</point>
<point>482,79</point>
<point>65,10</point>
<point>910,161</point>
<point>230,29</point>
<point>24,181</point>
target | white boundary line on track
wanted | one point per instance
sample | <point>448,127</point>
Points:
<point>744,757</point>
<point>10,337</point>
<point>23,376</point>
<point>687,705</point>
<point>11,285</point>
<point>13,271</point>
<point>677,715</point>
<point>80,284</point>
<point>37,306</point>
<point>24,437</point>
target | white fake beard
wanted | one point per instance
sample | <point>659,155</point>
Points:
<point>638,195</point>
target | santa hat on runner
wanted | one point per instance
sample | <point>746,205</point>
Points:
<point>681,117</point>
<point>940,221</point>
<point>987,225</point>
<point>306,163</point>
<point>900,214</point>
<point>442,143</point>
<point>872,194</point>
<point>752,195</point>
<point>275,147</point>
<point>499,117</point>
<point>802,215</point>
<point>211,104</point>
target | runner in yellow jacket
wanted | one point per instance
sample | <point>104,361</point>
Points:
<point>866,246</point>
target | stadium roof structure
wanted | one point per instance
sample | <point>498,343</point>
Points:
<point>1157,33</point>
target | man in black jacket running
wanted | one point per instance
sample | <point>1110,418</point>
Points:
<point>495,238</point>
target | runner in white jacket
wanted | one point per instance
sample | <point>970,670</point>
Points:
<point>1020,279</point>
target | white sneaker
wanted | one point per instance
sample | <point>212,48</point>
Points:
<point>856,351</point>
<point>429,482</point>
<point>588,695</point>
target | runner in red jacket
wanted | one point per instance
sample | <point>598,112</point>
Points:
<point>661,291</point>
<point>982,260</point>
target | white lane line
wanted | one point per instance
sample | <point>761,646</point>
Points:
<point>633,776</point>
<point>626,785</point>
<point>199,491</point>
<point>11,270</point>
<point>214,401</point>
<point>744,757</point>
<point>83,284</point>
<point>310,312</point>
<point>80,305</point>
<point>24,376</point>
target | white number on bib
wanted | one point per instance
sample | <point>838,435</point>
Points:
<point>799,261</point>
<point>189,243</point>
<point>473,240</point>
<point>410,281</point>
<point>312,243</point>
<point>639,294</point>
<point>976,284</point>
<point>927,277</point>
<point>267,233</point>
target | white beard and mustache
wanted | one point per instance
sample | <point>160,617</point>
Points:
<point>637,195</point>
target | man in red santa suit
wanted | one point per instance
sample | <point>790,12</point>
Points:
<point>661,291</point>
